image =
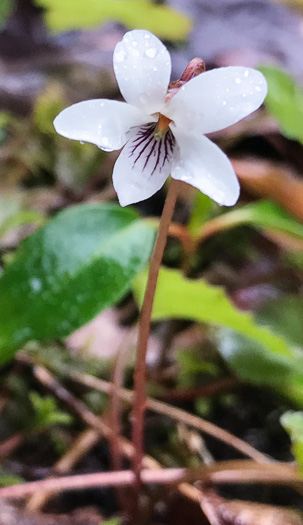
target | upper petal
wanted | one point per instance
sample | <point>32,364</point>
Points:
<point>142,66</point>
<point>216,99</point>
<point>101,122</point>
<point>143,165</point>
<point>203,165</point>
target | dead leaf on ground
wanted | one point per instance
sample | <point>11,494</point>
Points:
<point>270,180</point>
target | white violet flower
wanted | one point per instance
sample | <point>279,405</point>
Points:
<point>161,125</point>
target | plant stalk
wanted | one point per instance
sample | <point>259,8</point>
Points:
<point>144,329</point>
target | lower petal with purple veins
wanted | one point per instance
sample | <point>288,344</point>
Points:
<point>144,164</point>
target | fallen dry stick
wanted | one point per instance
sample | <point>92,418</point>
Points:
<point>103,428</point>
<point>179,415</point>
<point>85,481</point>
<point>87,439</point>
<point>224,472</point>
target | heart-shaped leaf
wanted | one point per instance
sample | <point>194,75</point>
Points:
<point>79,263</point>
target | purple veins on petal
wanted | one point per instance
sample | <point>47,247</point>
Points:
<point>152,150</point>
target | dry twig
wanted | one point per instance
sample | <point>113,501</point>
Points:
<point>179,415</point>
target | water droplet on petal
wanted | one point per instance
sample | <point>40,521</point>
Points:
<point>146,35</point>
<point>257,88</point>
<point>224,102</point>
<point>134,43</point>
<point>186,178</point>
<point>142,98</point>
<point>155,68</point>
<point>120,56</point>
<point>104,142</point>
<point>238,80</point>
<point>246,73</point>
<point>151,52</point>
<point>82,142</point>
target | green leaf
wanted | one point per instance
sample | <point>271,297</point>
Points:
<point>284,102</point>
<point>251,361</point>
<point>200,211</point>
<point>265,215</point>
<point>10,205</point>
<point>284,316</point>
<point>112,521</point>
<point>80,262</point>
<point>21,218</point>
<point>141,14</point>
<point>47,412</point>
<point>180,298</point>
<point>7,479</point>
<point>6,8</point>
<point>293,424</point>
<point>297,4</point>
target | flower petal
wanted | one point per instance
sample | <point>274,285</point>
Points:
<point>142,66</point>
<point>203,165</point>
<point>143,165</point>
<point>217,99</point>
<point>101,122</point>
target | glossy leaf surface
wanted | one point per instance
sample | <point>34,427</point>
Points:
<point>180,298</point>
<point>81,262</point>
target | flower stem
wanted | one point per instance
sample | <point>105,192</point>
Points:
<point>144,329</point>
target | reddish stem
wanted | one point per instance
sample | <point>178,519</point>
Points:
<point>100,479</point>
<point>144,329</point>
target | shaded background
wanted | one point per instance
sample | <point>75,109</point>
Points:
<point>51,55</point>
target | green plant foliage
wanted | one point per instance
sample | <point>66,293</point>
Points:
<point>180,298</point>
<point>21,218</point>
<point>298,4</point>
<point>6,8</point>
<point>284,316</point>
<point>284,102</point>
<point>7,479</point>
<point>200,212</point>
<point>265,215</point>
<point>112,521</point>
<point>47,413</point>
<point>141,14</point>
<point>191,365</point>
<point>250,360</point>
<point>293,424</point>
<point>80,262</point>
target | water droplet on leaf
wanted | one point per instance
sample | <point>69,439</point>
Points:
<point>35,284</point>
